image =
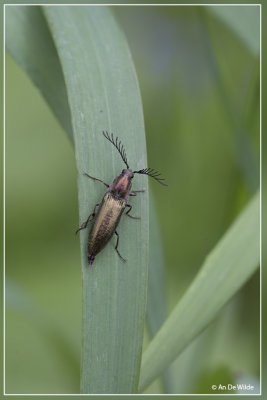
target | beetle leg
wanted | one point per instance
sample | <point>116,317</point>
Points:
<point>116,247</point>
<point>133,193</point>
<point>95,179</point>
<point>84,225</point>
<point>90,218</point>
<point>127,213</point>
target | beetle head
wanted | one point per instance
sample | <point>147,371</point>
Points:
<point>128,173</point>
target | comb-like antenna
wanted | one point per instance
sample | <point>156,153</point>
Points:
<point>153,173</point>
<point>118,145</point>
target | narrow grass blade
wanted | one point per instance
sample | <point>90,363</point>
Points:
<point>244,20</point>
<point>156,299</point>
<point>103,95</point>
<point>30,43</point>
<point>224,272</point>
<point>156,294</point>
<point>241,137</point>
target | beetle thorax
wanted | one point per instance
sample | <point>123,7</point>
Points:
<point>122,184</point>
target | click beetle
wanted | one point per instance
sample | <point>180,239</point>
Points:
<point>106,214</point>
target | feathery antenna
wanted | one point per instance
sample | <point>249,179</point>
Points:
<point>153,173</point>
<point>118,145</point>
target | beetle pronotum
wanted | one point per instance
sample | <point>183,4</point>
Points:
<point>106,219</point>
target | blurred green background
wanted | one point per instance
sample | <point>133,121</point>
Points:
<point>199,80</point>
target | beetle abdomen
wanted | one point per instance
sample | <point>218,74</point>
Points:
<point>105,223</point>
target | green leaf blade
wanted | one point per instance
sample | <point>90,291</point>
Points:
<point>104,95</point>
<point>29,41</point>
<point>244,20</point>
<point>225,270</point>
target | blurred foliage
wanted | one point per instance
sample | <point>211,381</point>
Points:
<point>200,89</point>
<point>41,218</point>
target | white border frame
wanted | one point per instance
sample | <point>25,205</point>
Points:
<point>132,5</point>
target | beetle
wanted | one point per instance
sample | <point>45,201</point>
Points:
<point>106,219</point>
